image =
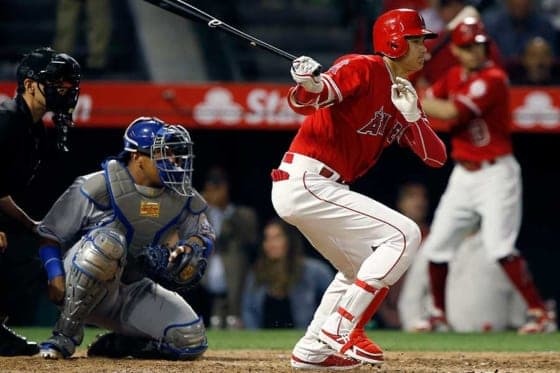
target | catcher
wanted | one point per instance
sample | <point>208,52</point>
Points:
<point>133,235</point>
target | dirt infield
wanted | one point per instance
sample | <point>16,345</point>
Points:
<point>234,361</point>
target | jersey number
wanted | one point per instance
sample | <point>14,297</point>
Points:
<point>478,131</point>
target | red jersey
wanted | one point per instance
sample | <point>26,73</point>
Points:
<point>482,130</point>
<point>350,133</point>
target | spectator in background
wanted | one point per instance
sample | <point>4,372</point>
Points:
<point>412,201</point>
<point>552,8</point>
<point>513,25</point>
<point>536,66</point>
<point>98,16</point>
<point>237,238</point>
<point>3,241</point>
<point>284,287</point>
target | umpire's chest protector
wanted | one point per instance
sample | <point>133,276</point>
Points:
<point>143,219</point>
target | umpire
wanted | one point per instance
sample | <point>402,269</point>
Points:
<point>47,81</point>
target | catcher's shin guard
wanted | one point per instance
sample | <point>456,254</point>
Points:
<point>344,329</point>
<point>98,260</point>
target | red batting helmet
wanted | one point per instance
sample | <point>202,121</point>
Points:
<point>393,27</point>
<point>469,31</point>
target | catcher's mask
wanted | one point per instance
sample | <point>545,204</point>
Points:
<point>170,146</point>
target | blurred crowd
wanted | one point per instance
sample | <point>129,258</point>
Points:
<point>526,35</point>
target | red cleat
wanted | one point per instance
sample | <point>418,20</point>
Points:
<point>333,361</point>
<point>313,354</point>
<point>355,344</point>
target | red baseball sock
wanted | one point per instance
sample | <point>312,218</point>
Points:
<point>516,269</point>
<point>438,277</point>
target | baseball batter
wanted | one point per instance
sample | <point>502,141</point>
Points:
<point>112,225</point>
<point>485,185</point>
<point>357,108</point>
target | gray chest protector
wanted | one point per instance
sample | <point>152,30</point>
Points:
<point>144,220</point>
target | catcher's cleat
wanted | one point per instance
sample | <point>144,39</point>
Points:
<point>58,346</point>
<point>116,346</point>
<point>13,344</point>
<point>319,356</point>
<point>50,352</point>
<point>539,321</point>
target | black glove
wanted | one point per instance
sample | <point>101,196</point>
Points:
<point>189,267</point>
<point>181,274</point>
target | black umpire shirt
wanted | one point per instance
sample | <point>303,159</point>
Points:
<point>22,146</point>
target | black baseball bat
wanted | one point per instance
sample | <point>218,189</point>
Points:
<point>186,10</point>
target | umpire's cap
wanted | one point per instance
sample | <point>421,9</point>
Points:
<point>33,64</point>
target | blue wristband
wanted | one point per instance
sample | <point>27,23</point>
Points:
<point>51,258</point>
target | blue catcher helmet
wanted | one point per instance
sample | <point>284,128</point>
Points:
<point>169,146</point>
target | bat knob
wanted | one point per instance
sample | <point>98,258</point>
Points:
<point>318,70</point>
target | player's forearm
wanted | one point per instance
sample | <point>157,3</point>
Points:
<point>305,102</point>
<point>300,104</point>
<point>441,109</point>
<point>425,143</point>
<point>203,234</point>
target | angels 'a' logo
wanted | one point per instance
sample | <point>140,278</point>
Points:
<point>376,125</point>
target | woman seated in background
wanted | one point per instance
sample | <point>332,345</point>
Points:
<point>284,287</point>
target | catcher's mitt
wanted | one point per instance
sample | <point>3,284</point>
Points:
<point>189,267</point>
<point>181,274</point>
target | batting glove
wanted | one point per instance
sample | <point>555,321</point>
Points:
<point>405,99</point>
<point>305,73</point>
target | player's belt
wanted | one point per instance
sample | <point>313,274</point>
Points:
<point>475,165</point>
<point>297,164</point>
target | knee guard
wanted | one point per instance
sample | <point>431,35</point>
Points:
<point>98,259</point>
<point>185,341</point>
<point>100,254</point>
